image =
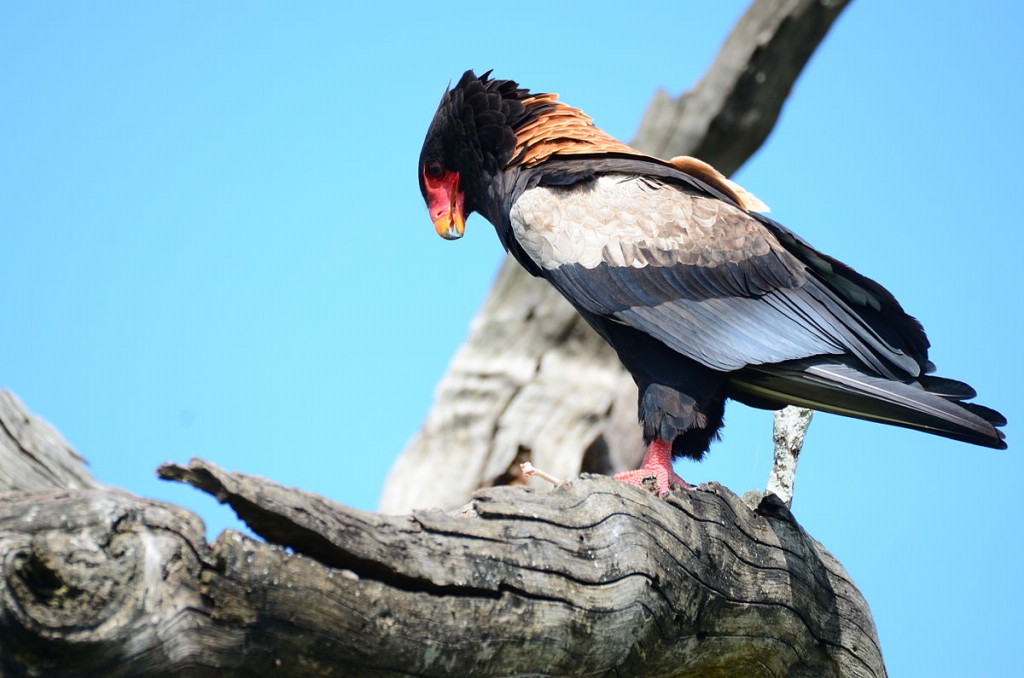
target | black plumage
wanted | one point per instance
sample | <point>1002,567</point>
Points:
<point>703,298</point>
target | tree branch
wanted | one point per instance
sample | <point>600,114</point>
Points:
<point>35,456</point>
<point>790,428</point>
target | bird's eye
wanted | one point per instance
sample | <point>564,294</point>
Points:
<point>434,170</point>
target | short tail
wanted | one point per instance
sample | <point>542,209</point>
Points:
<point>930,404</point>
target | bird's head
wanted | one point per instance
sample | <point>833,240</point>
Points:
<point>468,145</point>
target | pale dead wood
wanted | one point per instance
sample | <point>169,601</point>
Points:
<point>789,431</point>
<point>533,382</point>
<point>732,110</point>
<point>33,455</point>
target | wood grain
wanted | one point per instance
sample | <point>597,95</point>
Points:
<point>35,455</point>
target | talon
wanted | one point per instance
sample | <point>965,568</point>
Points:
<point>656,471</point>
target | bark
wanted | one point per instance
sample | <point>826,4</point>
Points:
<point>533,382</point>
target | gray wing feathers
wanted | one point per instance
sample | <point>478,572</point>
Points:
<point>729,333</point>
<point>702,276</point>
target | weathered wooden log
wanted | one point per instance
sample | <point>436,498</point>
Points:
<point>590,578</point>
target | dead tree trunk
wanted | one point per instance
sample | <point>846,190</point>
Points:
<point>591,578</point>
<point>533,382</point>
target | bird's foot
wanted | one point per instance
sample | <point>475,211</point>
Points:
<point>656,470</point>
<point>657,478</point>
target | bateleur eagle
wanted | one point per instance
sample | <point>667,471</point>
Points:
<point>702,297</point>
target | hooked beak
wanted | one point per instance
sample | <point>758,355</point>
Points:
<point>446,203</point>
<point>450,221</point>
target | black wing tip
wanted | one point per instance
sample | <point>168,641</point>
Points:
<point>833,385</point>
<point>993,417</point>
<point>996,442</point>
<point>995,439</point>
<point>950,389</point>
<point>957,392</point>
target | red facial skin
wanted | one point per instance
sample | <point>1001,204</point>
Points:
<point>445,201</point>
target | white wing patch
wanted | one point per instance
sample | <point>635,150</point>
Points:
<point>627,220</point>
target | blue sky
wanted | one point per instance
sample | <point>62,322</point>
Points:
<point>214,245</point>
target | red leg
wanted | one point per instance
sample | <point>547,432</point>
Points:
<point>657,464</point>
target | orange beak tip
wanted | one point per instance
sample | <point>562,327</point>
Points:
<point>450,225</point>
